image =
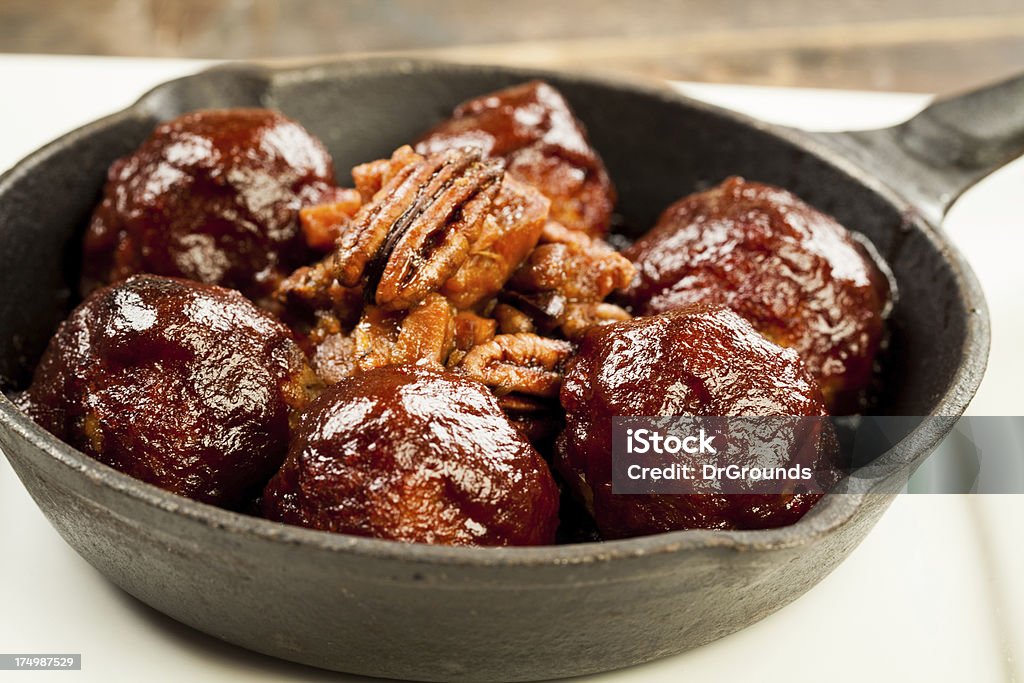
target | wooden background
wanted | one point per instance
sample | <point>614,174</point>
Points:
<point>911,45</point>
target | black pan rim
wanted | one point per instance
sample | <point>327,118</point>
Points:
<point>833,511</point>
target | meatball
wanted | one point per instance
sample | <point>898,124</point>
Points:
<point>212,196</point>
<point>799,277</point>
<point>183,385</point>
<point>543,143</point>
<point>699,361</point>
<point>413,454</point>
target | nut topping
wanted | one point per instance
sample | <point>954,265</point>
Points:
<point>524,363</point>
<point>418,229</point>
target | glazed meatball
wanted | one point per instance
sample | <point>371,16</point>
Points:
<point>183,385</point>
<point>799,277</point>
<point>543,143</point>
<point>212,196</point>
<point>700,361</point>
<point>413,454</point>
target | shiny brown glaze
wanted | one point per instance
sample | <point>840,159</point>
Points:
<point>183,385</point>
<point>211,196</point>
<point>416,455</point>
<point>454,285</point>
<point>797,275</point>
<point>695,361</point>
<point>543,143</point>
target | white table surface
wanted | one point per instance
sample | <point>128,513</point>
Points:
<point>932,594</point>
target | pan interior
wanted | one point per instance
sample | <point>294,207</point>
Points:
<point>657,147</point>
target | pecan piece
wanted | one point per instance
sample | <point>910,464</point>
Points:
<point>472,330</point>
<point>423,333</point>
<point>524,363</point>
<point>579,318</point>
<point>322,224</point>
<point>418,230</point>
<point>371,176</point>
<point>573,265</point>
<point>511,320</point>
<point>510,232</point>
<point>315,306</point>
<point>313,289</point>
<point>564,278</point>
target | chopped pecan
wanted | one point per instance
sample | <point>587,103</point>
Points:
<point>546,310</point>
<point>509,233</point>
<point>564,278</point>
<point>511,320</point>
<point>322,224</point>
<point>423,333</point>
<point>524,363</point>
<point>313,288</point>
<point>574,266</point>
<point>372,176</point>
<point>472,330</point>
<point>428,332</point>
<point>579,318</point>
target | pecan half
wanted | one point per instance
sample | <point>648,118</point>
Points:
<point>418,230</point>
<point>524,363</point>
<point>510,232</point>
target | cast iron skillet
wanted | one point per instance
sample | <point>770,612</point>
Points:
<point>435,613</point>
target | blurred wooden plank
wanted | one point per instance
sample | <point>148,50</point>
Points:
<point>916,45</point>
<point>928,55</point>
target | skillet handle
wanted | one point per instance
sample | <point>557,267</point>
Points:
<point>948,147</point>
